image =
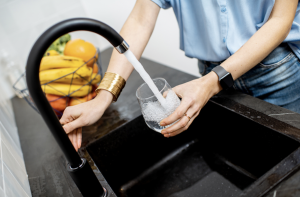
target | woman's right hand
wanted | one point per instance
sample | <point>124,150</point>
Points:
<point>85,114</point>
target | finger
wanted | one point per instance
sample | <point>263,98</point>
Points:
<point>177,91</point>
<point>70,114</point>
<point>181,129</point>
<point>64,121</point>
<point>178,125</point>
<point>176,132</point>
<point>178,113</point>
<point>70,135</point>
<point>186,118</point>
<point>165,94</point>
<point>66,117</point>
<point>71,126</point>
<point>79,137</point>
<point>74,140</point>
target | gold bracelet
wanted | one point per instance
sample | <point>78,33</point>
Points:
<point>113,83</point>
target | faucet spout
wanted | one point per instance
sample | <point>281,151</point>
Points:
<point>82,174</point>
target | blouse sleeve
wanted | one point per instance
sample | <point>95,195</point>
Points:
<point>165,4</point>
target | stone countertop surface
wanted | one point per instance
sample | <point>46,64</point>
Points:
<point>45,163</point>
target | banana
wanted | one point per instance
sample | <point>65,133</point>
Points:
<point>65,75</point>
<point>67,89</point>
<point>51,53</point>
<point>60,61</point>
<point>96,78</point>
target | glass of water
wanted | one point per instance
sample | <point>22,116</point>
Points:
<point>153,112</point>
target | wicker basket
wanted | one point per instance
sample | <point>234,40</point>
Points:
<point>24,93</point>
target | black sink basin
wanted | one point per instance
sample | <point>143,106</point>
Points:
<point>223,153</point>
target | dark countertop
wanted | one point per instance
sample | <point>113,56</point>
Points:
<point>45,162</point>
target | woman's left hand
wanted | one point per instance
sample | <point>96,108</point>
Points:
<point>195,95</point>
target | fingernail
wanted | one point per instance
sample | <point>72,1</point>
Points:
<point>162,123</point>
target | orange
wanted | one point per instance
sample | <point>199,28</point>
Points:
<point>57,102</point>
<point>82,49</point>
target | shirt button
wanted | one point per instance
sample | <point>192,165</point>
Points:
<point>223,9</point>
<point>224,40</point>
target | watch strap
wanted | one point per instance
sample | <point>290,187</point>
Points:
<point>225,78</point>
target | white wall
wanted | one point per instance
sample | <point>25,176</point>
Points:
<point>23,21</point>
<point>163,46</point>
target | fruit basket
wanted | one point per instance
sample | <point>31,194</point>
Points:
<point>73,86</point>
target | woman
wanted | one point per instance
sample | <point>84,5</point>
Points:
<point>256,41</point>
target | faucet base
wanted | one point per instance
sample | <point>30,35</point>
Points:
<point>86,180</point>
<point>105,192</point>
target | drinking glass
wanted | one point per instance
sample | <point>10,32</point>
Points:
<point>153,112</point>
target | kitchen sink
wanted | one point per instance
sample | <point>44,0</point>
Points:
<point>223,153</point>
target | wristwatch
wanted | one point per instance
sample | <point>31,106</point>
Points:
<point>225,78</point>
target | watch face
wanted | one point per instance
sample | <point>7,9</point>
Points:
<point>227,82</point>
<point>225,78</point>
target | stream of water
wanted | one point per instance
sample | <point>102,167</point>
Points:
<point>145,76</point>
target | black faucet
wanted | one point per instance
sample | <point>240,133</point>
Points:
<point>78,168</point>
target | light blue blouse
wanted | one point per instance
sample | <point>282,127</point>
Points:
<point>212,30</point>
